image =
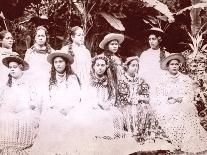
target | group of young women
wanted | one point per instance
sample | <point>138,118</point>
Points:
<point>65,102</point>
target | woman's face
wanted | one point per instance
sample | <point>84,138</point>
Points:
<point>173,67</point>
<point>40,37</point>
<point>100,67</point>
<point>133,67</point>
<point>113,46</point>
<point>15,70</point>
<point>79,37</point>
<point>7,41</point>
<point>154,41</point>
<point>59,64</point>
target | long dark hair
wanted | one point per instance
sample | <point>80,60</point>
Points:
<point>69,40</point>
<point>9,82</point>
<point>110,82</point>
<point>68,71</point>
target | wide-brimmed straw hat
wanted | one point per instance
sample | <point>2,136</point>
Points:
<point>15,58</point>
<point>60,53</point>
<point>154,30</point>
<point>109,37</point>
<point>172,56</point>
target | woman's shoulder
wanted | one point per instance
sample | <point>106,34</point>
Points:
<point>185,78</point>
<point>73,77</point>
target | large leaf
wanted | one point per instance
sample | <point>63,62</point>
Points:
<point>161,7</point>
<point>195,6</point>
<point>114,22</point>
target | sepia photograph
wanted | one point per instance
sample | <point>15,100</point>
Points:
<point>103,77</point>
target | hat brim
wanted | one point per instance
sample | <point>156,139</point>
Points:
<point>52,56</point>
<point>176,56</point>
<point>19,60</point>
<point>118,37</point>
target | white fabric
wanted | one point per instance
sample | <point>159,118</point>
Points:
<point>82,62</point>
<point>149,67</point>
<point>179,120</point>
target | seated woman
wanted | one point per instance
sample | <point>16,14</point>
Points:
<point>101,115</point>
<point>133,102</point>
<point>175,109</point>
<point>64,94</point>
<point>19,109</point>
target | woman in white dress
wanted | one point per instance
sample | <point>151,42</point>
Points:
<point>175,108</point>
<point>56,132</point>
<point>36,56</point>
<point>81,55</point>
<point>19,110</point>
<point>5,50</point>
<point>149,66</point>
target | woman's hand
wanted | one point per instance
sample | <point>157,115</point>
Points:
<point>64,112</point>
<point>179,99</point>
<point>171,100</point>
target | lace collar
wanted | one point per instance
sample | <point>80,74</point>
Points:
<point>174,78</point>
<point>98,82</point>
<point>5,51</point>
<point>19,81</point>
<point>131,79</point>
<point>60,77</point>
<point>38,49</point>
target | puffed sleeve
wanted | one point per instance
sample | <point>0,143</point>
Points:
<point>188,94</point>
<point>65,48</point>
<point>28,55</point>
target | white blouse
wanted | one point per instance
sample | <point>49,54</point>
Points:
<point>82,62</point>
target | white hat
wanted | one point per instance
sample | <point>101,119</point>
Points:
<point>15,58</point>
<point>109,37</point>
<point>172,56</point>
<point>60,53</point>
<point>155,30</point>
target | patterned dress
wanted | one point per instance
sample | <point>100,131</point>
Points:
<point>19,117</point>
<point>101,117</point>
<point>133,102</point>
<point>179,119</point>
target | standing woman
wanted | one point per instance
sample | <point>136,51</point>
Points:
<point>55,132</point>
<point>151,58</point>
<point>175,108</point>
<point>36,56</point>
<point>81,55</point>
<point>5,50</point>
<point>19,110</point>
<point>110,44</point>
